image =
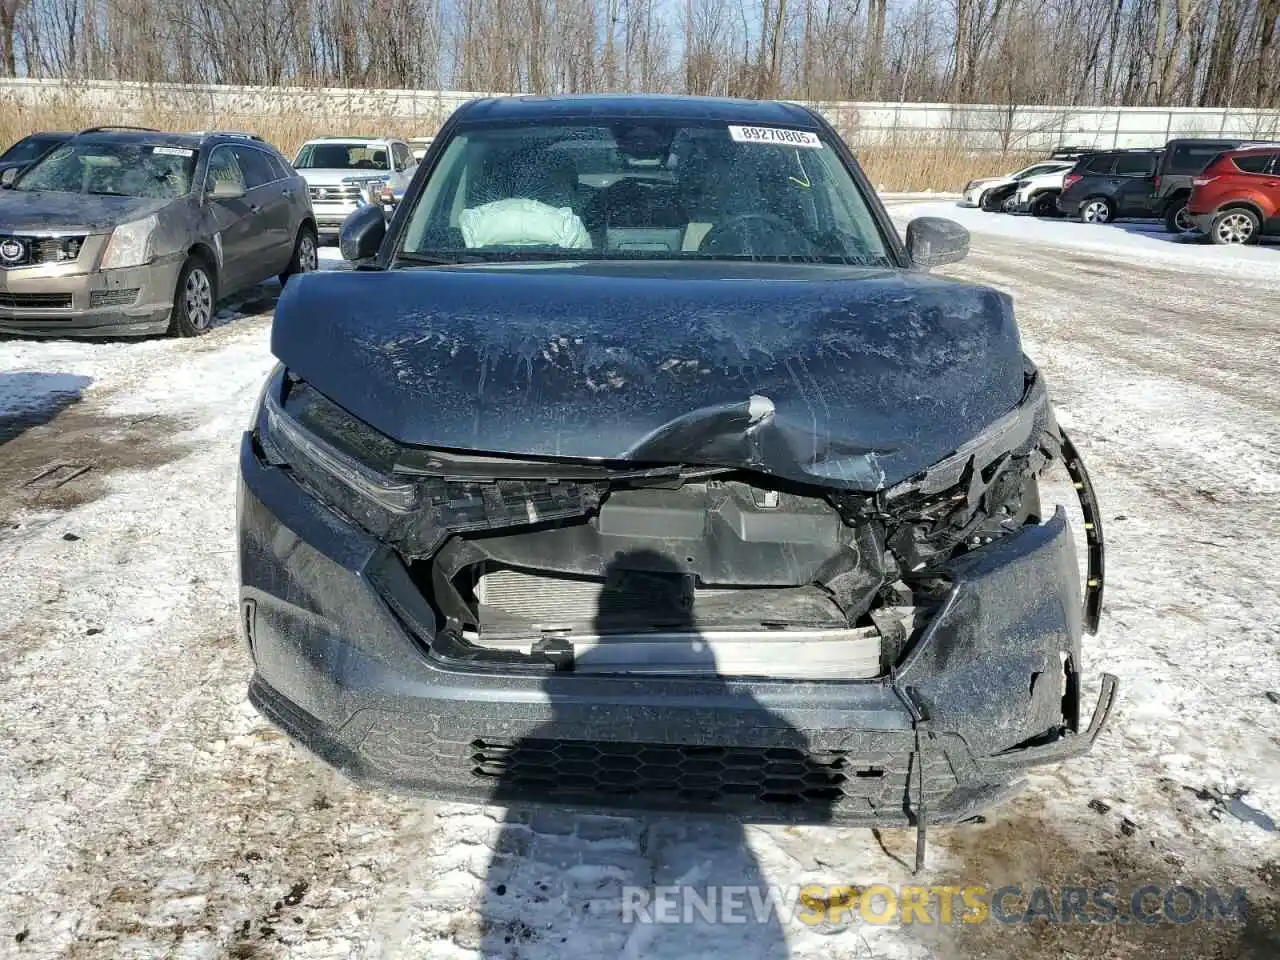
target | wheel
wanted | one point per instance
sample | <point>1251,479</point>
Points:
<point>1096,210</point>
<point>1234,226</point>
<point>1177,219</point>
<point>982,200</point>
<point>194,299</point>
<point>993,201</point>
<point>305,258</point>
<point>1045,205</point>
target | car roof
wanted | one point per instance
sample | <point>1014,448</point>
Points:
<point>335,139</point>
<point>193,141</point>
<point>653,106</point>
<point>1250,147</point>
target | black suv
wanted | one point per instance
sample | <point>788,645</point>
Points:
<point>1183,159</point>
<point>639,428</point>
<point>1106,186</point>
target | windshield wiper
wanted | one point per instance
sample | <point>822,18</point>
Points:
<point>431,260</point>
<point>462,466</point>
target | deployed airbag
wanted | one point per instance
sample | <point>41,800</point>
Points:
<point>520,222</point>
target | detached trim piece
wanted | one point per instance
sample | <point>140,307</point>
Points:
<point>1093,532</point>
<point>1074,745</point>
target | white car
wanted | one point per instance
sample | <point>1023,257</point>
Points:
<point>978,191</point>
<point>419,146</point>
<point>345,173</point>
<point>1038,195</point>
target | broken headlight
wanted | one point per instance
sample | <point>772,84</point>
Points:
<point>984,490</point>
<point>361,473</point>
<point>346,462</point>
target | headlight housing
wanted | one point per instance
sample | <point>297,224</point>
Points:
<point>358,472</point>
<point>983,490</point>
<point>345,460</point>
<point>130,244</point>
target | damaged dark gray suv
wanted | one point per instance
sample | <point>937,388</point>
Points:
<point>640,464</point>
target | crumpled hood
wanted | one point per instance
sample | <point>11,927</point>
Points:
<point>856,378</point>
<point>23,211</point>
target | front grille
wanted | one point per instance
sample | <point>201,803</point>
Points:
<point>36,301</point>
<point>339,194</point>
<point>31,251</point>
<point>808,782</point>
<point>688,773</point>
<point>113,298</point>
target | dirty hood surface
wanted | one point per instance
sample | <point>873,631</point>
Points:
<point>856,378</point>
<point>28,211</point>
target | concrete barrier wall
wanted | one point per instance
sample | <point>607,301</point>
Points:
<point>971,127</point>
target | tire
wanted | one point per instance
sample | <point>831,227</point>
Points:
<point>195,299</point>
<point>305,258</point>
<point>993,200</point>
<point>1176,219</point>
<point>1235,226</point>
<point>1045,205</point>
<point>982,200</point>
<point>1096,210</point>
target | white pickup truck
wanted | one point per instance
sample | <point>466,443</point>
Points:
<point>346,173</point>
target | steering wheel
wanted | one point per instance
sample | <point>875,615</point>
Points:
<point>778,238</point>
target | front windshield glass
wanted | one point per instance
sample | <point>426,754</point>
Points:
<point>114,169</point>
<point>342,156</point>
<point>26,150</point>
<point>641,189</point>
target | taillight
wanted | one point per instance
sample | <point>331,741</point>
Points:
<point>1156,182</point>
<point>1070,180</point>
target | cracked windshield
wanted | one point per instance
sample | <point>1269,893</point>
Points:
<point>644,190</point>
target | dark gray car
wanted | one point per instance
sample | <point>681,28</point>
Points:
<point>643,464</point>
<point>134,232</point>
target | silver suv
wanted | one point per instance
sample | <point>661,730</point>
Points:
<point>344,174</point>
<point>124,231</point>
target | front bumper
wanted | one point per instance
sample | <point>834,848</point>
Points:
<point>329,216</point>
<point>55,300</point>
<point>338,635</point>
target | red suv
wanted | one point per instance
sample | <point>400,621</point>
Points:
<point>1236,198</point>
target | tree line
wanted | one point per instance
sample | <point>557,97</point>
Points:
<point>1209,53</point>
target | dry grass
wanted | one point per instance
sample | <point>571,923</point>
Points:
<point>287,132</point>
<point>913,166</point>
<point>934,167</point>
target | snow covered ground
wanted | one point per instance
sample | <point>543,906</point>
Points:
<point>1135,242</point>
<point>146,810</point>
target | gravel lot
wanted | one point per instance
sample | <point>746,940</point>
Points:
<point>146,810</point>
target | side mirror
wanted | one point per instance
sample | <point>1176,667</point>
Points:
<point>222,190</point>
<point>933,241</point>
<point>362,232</point>
<point>8,177</point>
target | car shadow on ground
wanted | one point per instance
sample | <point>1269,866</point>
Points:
<point>30,399</point>
<point>1156,231</point>
<point>567,880</point>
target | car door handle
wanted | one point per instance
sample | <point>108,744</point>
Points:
<point>255,207</point>
<point>288,192</point>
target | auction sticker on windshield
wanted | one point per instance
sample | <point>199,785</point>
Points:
<point>775,135</point>
<point>172,152</point>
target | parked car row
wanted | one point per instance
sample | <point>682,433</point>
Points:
<point>1228,190</point>
<point>115,231</point>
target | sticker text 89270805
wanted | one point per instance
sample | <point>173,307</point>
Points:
<point>776,136</point>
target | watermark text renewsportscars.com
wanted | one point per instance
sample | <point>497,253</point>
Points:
<point>938,904</point>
